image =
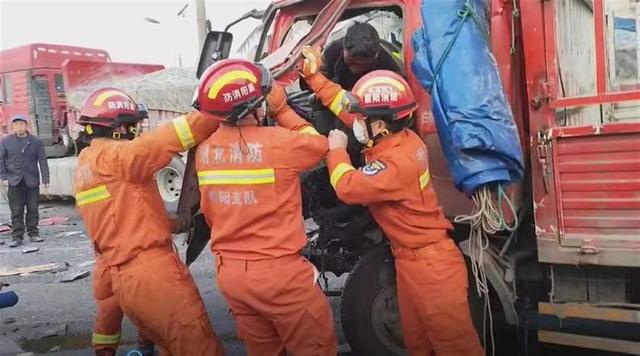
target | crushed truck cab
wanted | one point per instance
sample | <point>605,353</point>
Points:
<point>573,263</point>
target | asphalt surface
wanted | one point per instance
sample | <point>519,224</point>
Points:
<point>52,315</point>
<point>56,318</point>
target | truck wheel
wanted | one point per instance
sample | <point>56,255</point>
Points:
<point>370,317</point>
<point>169,180</point>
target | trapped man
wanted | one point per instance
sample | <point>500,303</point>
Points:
<point>20,156</point>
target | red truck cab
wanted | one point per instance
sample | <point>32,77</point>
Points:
<point>32,85</point>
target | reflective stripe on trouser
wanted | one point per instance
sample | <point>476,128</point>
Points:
<point>181,125</point>
<point>272,315</point>
<point>108,319</point>
<point>175,319</point>
<point>92,195</point>
<point>436,323</point>
<point>237,176</point>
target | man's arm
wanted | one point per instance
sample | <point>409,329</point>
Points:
<point>42,162</point>
<point>3,162</point>
<point>139,159</point>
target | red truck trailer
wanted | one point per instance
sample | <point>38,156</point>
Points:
<point>47,83</point>
<point>570,273</point>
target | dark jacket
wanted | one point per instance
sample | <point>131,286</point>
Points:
<point>19,159</point>
<point>334,68</point>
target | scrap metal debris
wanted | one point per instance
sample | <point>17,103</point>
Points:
<point>31,249</point>
<point>68,234</point>
<point>54,220</point>
<point>75,274</point>
<point>49,267</point>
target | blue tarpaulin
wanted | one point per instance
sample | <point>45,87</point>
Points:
<point>473,117</point>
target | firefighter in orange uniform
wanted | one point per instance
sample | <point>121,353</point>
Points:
<point>395,184</point>
<point>250,196</point>
<point>117,197</point>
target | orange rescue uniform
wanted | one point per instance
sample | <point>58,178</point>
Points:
<point>250,196</point>
<point>430,271</point>
<point>124,214</point>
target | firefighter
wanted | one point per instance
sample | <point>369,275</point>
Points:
<point>118,199</point>
<point>250,196</point>
<point>395,184</point>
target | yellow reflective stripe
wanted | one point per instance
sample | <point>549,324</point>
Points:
<point>237,176</point>
<point>397,55</point>
<point>92,195</point>
<point>103,339</point>
<point>308,130</point>
<point>336,104</point>
<point>228,78</point>
<point>181,125</point>
<point>424,179</point>
<point>106,95</point>
<point>380,80</point>
<point>338,172</point>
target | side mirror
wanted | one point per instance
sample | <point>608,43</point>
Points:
<point>216,47</point>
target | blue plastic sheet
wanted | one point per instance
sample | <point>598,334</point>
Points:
<point>473,117</point>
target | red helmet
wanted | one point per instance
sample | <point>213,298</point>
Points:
<point>232,88</point>
<point>110,107</point>
<point>384,93</point>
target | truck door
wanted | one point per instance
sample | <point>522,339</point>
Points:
<point>42,109</point>
<point>583,84</point>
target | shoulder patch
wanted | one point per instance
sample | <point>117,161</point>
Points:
<point>373,168</point>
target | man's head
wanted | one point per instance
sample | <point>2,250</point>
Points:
<point>20,126</point>
<point>110,113</point>
<point>361,48</point>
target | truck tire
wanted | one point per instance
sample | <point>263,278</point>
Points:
<point>369,311</point>
<point>169,180</point>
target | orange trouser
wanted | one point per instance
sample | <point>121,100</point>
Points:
<point>278,307</point>
<point>156,291</point>
<point>432,297</point>
<point>108,319</point>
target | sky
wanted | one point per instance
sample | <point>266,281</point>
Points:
<point>118,26</point>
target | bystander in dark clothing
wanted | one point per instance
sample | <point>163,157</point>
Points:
<point>20,156</point>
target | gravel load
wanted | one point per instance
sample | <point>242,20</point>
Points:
<point>168,89</point>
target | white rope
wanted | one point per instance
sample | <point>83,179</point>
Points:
<point>485,220</point>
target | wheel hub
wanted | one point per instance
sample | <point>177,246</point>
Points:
<point>386,319</point>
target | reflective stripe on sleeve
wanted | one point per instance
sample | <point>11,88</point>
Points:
<point>92,195</point>
<point>308,130</point>
<point>104,339</point>
<point>338,172</point>
<point>424,179</point>
<point>181,125</point>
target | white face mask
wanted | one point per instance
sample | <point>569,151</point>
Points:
<point>360,131</point>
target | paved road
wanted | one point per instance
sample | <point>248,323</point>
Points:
<point>48,307</point>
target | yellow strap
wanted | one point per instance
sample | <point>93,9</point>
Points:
<point>338,172</point>
<point>336,104</point>
<point>181,125</point>
<point>103,339</point>
<point>308,130</point>
<point>237,176</point>
<point>424,179</point>
<point>92,195</point>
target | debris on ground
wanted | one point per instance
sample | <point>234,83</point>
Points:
<point>68,234</point>
<point>5,228</point>
<point>31,249</point>
<point>49,267</point>
<point>54,220</point>
<point>56,330</point>
<point>55,349</point>
<point>74,274</point>
<point>8,321</point>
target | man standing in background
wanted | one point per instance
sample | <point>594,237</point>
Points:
<point>20,156</point>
